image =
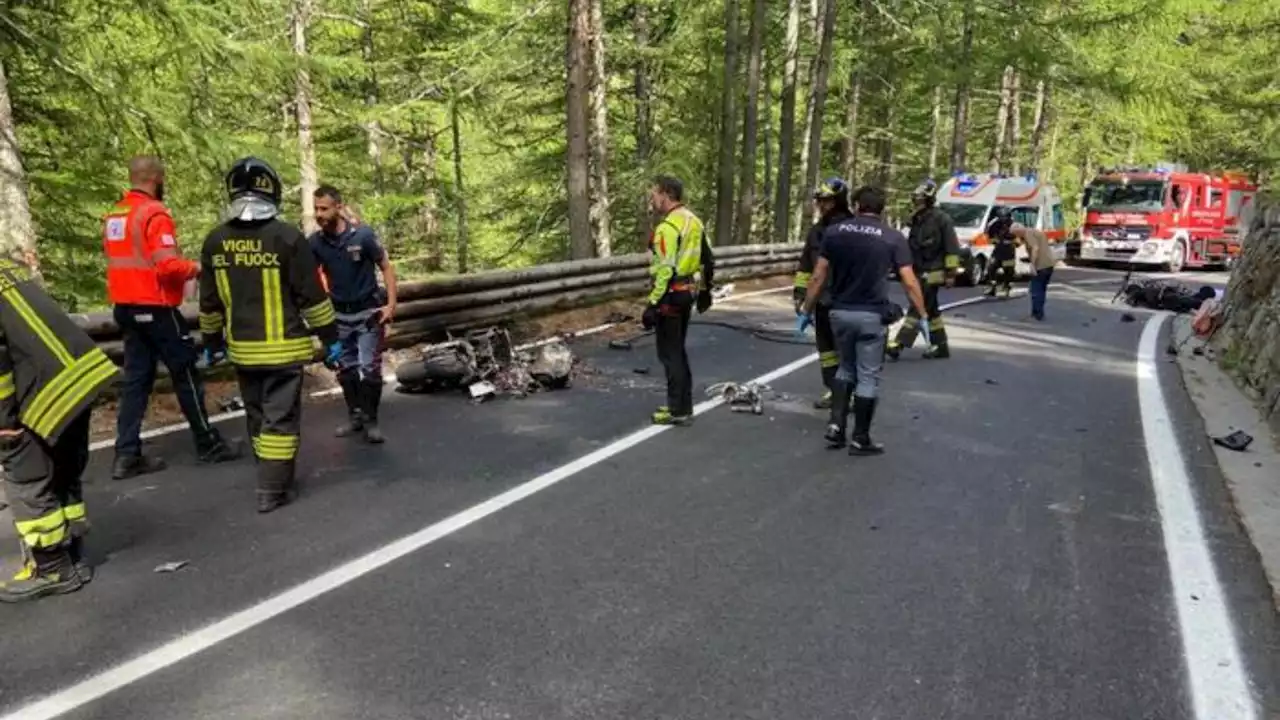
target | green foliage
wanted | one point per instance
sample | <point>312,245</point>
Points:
<point>201,82</point>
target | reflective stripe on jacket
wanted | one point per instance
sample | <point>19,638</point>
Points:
<point>144,264</point>
<point>677,253</point>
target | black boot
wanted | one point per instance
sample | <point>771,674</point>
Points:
<point>275,484</point>
<point>48,572</point>
<point>837,427</point>
<point>214,449</point>
<point>128,466</point>
<point>351,392</point>
<point>864,409</point>
<point>370,399</point>
<point>828,381</point>
<point>78,560</point>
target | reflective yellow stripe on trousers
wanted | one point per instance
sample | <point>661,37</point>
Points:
<point>43,532</point>
<point>270,446</point>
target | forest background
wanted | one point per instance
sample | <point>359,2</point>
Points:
<point>497,133</point>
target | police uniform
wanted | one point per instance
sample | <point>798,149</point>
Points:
<point>681,259</point>
<point>145,277</point>
<point>51,373</point>
<point>935,255</point>
<point>260,298</point>
<point>828,358</point>
<point>350,260</point>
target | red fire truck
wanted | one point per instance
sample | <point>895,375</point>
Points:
<point>1165,217</point>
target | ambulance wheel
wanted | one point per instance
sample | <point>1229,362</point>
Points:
<point>980,270</point>
<point>967,278</point>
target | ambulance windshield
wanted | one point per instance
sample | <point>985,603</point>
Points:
<point>964,215</point>
<point>1135,196</point>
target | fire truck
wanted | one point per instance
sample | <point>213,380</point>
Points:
<point>1164,217</point>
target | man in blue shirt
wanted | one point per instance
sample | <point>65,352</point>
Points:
<point>857,254</point>
<point>348,254</point>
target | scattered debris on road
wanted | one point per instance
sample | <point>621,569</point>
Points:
<point>169,567</point>
<point>1238,441</point>
<point>486,363</point>
<point>741,397</point>
<point>1166,295</point>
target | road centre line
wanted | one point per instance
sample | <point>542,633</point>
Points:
<point>184,646</point>
<point>391,379</point>
<point>1216,673</point>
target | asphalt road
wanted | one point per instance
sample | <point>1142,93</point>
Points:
<point>1007,558</point>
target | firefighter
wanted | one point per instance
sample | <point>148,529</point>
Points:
<point>1004,252</point>
<point>935,253</point>
<point>51,373</point>
<point>259,293</point>
<point>348,255</point>
<point>145,277</point>
<point>832,200</point>
<point>681,252</point>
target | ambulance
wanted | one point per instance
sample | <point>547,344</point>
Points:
<point>969,201</point>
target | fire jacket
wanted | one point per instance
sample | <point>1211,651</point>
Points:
<point>50,369</point>
<point>260,294</point>
<point>935,251</point>
<point>680,252</point>
<point>809,256</point>
<point>144,264</point>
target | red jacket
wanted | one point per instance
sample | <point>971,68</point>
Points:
<point>144,264</point>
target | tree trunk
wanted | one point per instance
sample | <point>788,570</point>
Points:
<point>302,111</point>
<point>1013,139</point>
<point>766,193</point>
<point>787,130</point>
<point>459,190</point>
<point>888,119</point>
<point>644,116</point>
<point>960,125</point>
<point>599,137</point>
<point>1039,125</point>
<point>935,130</point>
<point>814,164</point>
<point>17,233</point>
<point>802,201</point>
<point>724,173</point>
<point>373,130</point>
<point>581,245</point>
<point>1002,119</point>
<point>428,214</point>
<point>750,124</point>
<point>1053,153</point>
<point>849,142</point>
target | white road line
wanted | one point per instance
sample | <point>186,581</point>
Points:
<point>391,379</point>
<point>1219,686</point>
<point>183,647</point>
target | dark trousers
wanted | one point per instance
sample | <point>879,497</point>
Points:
<point>273,413</point>
<point>43,486</point>
<point>911,323</point>
<point>828,357</point>
<point>1039,291</point>
<point>151,335</point>
<point>670,335</point>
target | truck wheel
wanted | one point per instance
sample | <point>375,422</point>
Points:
<point>1179,258</point>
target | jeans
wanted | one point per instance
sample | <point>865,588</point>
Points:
<point>160,334</point>
<point>1039,290</point>
<point>860,339</point>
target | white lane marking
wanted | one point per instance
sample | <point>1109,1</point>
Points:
<point>391,379</point>
<point>1219,687</point>
<point>185,646</point>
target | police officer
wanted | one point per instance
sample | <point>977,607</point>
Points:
<point>935,255</point>
<point>145,277</point>
<point>51,373</point>
<point>348,254</point>
<point>681,252</point>
<point>260,292</point>
<point>856,258</point>
<point>1004,252</point>
<point>832,200</point>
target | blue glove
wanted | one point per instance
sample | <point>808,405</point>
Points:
<point>212,357</point>
<point>803,321</point>
<point>335,354</point>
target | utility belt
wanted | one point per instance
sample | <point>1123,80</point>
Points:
<point>686,283</point>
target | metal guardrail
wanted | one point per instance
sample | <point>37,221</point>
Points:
<point>428,309</point>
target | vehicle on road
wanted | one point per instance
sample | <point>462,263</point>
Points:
<point>1164,217</point>
<point>970,199</point>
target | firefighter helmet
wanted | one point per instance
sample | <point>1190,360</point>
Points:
<point>926,191</point>
<point>1000,223</point>
<point>833,188</point>
<point>251,176</point>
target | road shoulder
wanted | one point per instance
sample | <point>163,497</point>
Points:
<point>1253,476</point>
